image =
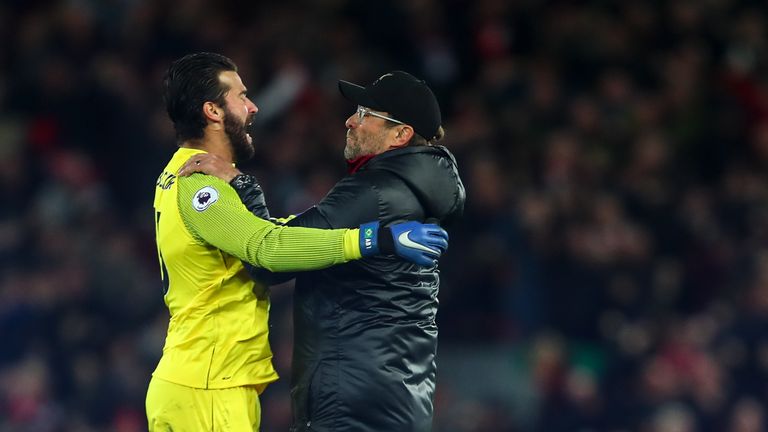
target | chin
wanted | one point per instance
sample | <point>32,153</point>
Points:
<point>244,153</point>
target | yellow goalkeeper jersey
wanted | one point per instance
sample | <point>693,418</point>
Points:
<point>218,331</point>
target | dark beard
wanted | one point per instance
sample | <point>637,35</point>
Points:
<point>238,137</point>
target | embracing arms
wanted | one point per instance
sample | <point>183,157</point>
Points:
<point>418,243</point>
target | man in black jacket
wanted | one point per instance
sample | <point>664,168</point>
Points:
<point>365,332</point>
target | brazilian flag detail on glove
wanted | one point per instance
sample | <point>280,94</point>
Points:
<point>418,243</point>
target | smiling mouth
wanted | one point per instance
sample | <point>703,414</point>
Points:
<point>248,124</point>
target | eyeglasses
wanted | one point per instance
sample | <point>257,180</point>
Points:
<point>363,111</point>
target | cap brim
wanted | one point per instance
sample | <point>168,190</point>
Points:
<point>357,95</point>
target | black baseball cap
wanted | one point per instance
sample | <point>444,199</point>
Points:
<point>403,96</point>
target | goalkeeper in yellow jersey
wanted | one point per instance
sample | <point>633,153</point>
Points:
<point>217,360</point>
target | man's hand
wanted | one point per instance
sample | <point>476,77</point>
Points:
<point>419,243</point>
<point>210,164</point>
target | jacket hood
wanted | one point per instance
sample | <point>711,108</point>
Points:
<point>431,173</point>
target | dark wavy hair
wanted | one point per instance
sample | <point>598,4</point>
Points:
<point>190,82</point>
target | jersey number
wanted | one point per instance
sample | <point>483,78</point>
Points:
<point>163,268</point>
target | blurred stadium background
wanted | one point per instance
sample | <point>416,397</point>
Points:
<point>610,273</point>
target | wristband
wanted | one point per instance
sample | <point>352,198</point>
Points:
<point>369,236</point>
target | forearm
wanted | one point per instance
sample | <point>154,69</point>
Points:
<point>285,249</point>
<point>227,225</point>
<point>308,219</point>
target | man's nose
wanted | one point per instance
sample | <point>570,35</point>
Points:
<point>252,108</point>
<point>351,121</point>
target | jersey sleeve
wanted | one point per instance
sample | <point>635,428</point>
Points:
<point>213,214</point>
<point>351,202</point>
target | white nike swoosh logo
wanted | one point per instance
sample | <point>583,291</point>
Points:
<point>406,241</point>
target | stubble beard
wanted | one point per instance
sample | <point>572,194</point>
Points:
<point>357,147</point>
<point>242,150</point>
<point>351,149</point>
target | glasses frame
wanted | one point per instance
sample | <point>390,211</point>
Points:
<point>363,111</point>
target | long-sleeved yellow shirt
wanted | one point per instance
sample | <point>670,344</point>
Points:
<point>218,332</point>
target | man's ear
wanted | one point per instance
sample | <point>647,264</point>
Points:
<point>213,112</point>
<point>403,136</point>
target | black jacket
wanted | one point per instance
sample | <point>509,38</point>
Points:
<point>365,332</point>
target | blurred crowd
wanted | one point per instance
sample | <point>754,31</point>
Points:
<point>611,269</point>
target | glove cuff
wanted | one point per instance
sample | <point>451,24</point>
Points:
<point>386,241</point>
<point>369,239</point>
